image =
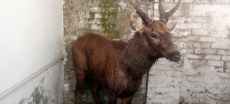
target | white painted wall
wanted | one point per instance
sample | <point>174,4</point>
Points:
<point>30,38</point>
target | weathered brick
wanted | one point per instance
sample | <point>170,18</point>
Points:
<point>190,51</point>
<point>205,1</point>
<point>197,90</point>
<point>207,25</point>
<point>213,57</point>
<point>197,45</point>
<point>190,44</point>
<point>221,44</point>
<point>192,38</point>
<point>181,45</point>
<point>211,100</point>
<point>198,62</point>
<point>194,79</point>
<point>218,69</point>
<point>198,50</point>
<point>180,32</point>
<point>225,76</point>
<point>189,84</point>
<point>193,56</point>
<point>215,63</point>
<point>222,1</point>
<point>199,13</point>
<point>201,96</point>
<point>192,73</point>
<point>219,34</point>
<point>191,100</point>
<point>226,58</point>
<point>207,39</point>
<point>201,19</point>
<point>209,80</point>
<point>199,32</point>
<point>228,65</point>
<point>209,51</point>
<point>223,52</point>
<point>205,45</point>
<point>218,89</point>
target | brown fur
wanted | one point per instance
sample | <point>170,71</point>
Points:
<point>119,66</point>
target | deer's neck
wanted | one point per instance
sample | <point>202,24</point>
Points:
<point>136,58</point>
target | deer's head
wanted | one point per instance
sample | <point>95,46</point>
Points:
<point>157,34</point>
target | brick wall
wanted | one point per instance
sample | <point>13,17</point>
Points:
<point>202,36</point>
<point>109,18</point>
<point>203,75</point>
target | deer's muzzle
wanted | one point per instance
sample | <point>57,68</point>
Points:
<point>175,56</point>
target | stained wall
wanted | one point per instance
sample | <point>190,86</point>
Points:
<point>109,18</point>
<point>202,75</point>
<point>201,35</point>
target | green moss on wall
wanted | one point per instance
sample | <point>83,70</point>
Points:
<point>104,17</point>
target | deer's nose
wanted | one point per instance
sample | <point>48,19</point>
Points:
<point>175,56</point>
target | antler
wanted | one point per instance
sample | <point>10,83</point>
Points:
<point>164,16</point>
<point>145,18</point>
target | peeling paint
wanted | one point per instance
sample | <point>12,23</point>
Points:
<point>38,96</point>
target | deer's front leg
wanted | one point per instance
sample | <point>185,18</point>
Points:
<point>127,100</point>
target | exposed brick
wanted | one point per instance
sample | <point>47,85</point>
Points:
<point>205,1</point>
<point>209,51</point>
<point>199,32</point>
<point>198,62</point>
<point>190,44</point>
<point>221,34</point>
<point>221,44</point>
<point>193,56</point>
<point>199,13</point>
<point>205,45</point>
<point>192,38</point>
<point>201,19</point>
<point>215,63</point>
<point>218,69</point>
<point>228,65</point>
<point>207,25</point>
<point>226,58</point>
<point>190,51</point>
<point>185,20</point>
<point>222,1</point>
<point>181,45</point>
<point>183,51</point>
<point>198,50</point>
<point>213,57</point>
<point>197,45</point>
<point>207,39</point>
<point>180,32</point>
<point>224,75</point>
<point>223,52</point>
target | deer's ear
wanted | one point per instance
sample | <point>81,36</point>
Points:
<point>171,23</point>
<point>136,22</point>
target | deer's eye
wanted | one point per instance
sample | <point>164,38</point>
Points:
<point>153,35</point>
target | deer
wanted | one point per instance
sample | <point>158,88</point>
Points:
<point>118,66</point>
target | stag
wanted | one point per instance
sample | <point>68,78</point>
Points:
<point>119,66</point>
